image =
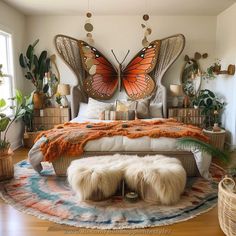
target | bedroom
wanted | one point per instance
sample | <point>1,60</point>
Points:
<point>185,54</point>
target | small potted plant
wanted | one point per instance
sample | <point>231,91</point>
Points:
<point>35,68</point>
<point>210,103</point>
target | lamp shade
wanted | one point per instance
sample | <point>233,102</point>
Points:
<point>176,89</point>
<point>63,89</point>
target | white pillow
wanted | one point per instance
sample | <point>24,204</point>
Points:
<point>95,108</point>
<point>156,110</point>
<point>83,109</point>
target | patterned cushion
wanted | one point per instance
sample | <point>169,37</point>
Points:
<point>140,106</point>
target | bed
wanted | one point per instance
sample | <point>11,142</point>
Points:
<point>194,161</point>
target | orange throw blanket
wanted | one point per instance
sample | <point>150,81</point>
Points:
<point>69,139</point>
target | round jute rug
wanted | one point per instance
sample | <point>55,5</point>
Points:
<point>50,197</point>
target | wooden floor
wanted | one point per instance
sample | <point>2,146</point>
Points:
<point>14,223</point>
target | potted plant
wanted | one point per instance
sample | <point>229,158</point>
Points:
<point>211,107</point>
<point>35,68</point>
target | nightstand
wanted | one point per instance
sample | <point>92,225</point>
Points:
<point>217,139</point>
<point>187,115</point>
<point>47,118</point>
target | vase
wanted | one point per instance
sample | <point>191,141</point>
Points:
<point>186,102</point>
<point>38,100</point>
<point>216,128</point>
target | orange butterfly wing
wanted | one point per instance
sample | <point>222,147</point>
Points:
<point>136,81</point>
<point>102,81</point>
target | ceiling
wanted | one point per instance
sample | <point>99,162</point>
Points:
<point>121,7</point>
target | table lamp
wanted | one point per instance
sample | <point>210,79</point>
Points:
<point>176,91</point>
<point>64,90</point>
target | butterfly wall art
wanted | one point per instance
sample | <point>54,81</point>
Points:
<point>103,79</point>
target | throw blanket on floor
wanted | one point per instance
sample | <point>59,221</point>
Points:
<point>70,138</point>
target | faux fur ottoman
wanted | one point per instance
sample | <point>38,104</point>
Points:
<point>157,179</point>
<point>96,178</point>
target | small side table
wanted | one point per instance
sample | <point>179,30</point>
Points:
<point>6,166</point>
<point>217,139</point>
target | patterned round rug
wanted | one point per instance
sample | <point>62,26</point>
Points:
<point>50,197</point>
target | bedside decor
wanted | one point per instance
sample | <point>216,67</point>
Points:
<point>63,90</point>
<point>176,91</point>
<point>198,198</point>
<point>217,138</point>
<point>211,106</point>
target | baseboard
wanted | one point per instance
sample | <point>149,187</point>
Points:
<point>16,145</point>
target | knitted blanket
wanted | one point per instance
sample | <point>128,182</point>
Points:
<point>69,139</point>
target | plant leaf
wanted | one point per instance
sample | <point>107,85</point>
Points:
<point>2,103</point>
<point>188,142</point>
<point>4,123</point>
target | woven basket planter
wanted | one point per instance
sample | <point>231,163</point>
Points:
<point>6,167</point>
<point>227,206</point>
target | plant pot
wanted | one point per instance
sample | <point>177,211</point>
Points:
<point>38,100</point>
<point>217,68</point>
<point>6,166</point>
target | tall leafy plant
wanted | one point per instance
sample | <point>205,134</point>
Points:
<point>22,107</point>
<point>35,67</point>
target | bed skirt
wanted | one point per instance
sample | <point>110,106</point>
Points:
<point>187,159</point>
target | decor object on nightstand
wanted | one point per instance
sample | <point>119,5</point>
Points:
<point>176,91</point>
<point>64,90</point>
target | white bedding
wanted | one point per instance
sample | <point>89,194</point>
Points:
<point>123,143</point>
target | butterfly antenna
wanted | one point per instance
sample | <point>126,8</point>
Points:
<point>115,56</point>
<point>125,56</point>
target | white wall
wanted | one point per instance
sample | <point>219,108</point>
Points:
<point>124,32</point>
<point>226,85</point>
<point>14,22</point>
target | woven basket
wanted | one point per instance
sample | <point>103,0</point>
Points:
<point>6,167</point>
<point>227,206</point>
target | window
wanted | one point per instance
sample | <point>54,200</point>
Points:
<point>6,59</point>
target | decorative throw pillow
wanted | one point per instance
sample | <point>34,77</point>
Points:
<point>143,111</point>
<point>83,109</point>
<point>156,110</point>
<point>95,108</point>
<point>140,106</point>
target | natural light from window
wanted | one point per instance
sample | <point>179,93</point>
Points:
<point>6,59</point>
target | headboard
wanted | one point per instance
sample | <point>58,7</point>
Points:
<point>171,48</point>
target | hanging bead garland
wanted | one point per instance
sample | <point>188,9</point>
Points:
<point>89,27</point>
<point>147,30</point>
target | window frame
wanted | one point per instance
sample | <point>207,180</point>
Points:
<point>10,65</point>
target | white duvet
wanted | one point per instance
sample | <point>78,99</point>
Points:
<point>123,143</point>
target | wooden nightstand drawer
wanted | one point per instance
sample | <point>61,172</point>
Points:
<point>187,115</point>
<point>48,118</point>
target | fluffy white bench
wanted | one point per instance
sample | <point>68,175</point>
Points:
<point>157,178</point>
